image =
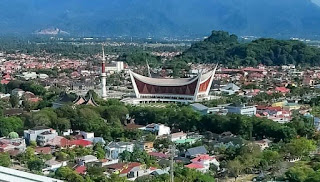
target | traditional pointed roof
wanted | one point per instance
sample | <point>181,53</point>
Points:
<point>164,81</point>
<point>80,100</point>
<point>90,101</point>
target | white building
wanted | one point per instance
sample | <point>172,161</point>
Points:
<point>52,165</point>
<point>158,129</point>
<point>87,135</point>
<point>166,90</point>
<point>202,163</point>
<point>178,136</point>
<point>115,67</point>
<point>230,89</point>
<point>12,175</point>
<point>29,75</point>
<point>43,76</point>
<point>87,159</point>
<point>242,109</point>
<point>114,149</point>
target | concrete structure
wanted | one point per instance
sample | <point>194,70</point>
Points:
<point>178,136</point>
<point>115,67</point>
<point>184,90</point>
<point>12,143</point>
<point>146,146</point>
<point>158,129</point>
<point>202,163</point>
<point>230,89</point>
<point>114,149</point>
<point>86,159</point>
<point>41,135</point>
<point>29,75</point>
<point>12,175</point>
<point>242,109</point>
<point>103,76</point>
<point>52,165</point>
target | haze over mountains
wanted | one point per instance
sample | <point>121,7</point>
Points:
<point>161,18</point>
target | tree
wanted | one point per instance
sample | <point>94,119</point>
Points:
<point>298,173</point>
<point>14,100</point>
<point>5,160</point>
<point>235,168</point>
<point>270,158</point>
<point>35,164</point>
<point>61,124</point>
<point>300,147</point>
<point>313,177</point>
<point>161,144</point>
<point>68,174</point>
<point>88,120</point>
<point>95,171</point>
<point>44,117</point>
<point>10,124</point>
<point>100,152</point>
<point>150,137</point>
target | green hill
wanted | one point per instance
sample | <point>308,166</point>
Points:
<point>225,49</point>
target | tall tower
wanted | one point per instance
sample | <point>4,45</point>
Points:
<point>103,76</point>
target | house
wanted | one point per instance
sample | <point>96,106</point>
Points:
<point>114,149</point>
<point>13,112</point>
<point>307,81</point>
<point>200,108</point>
<point>159,155</point>
<point>146,146</point>
<point>178,136</point>
<point>44,133</point>
<point>29,75</point>
<point>12,143</point>
<point>82,169</point>
<point>131,170</point>
<point>96,140</point>
<point>86,159</point>
<point>228,141</point>
<point>31,97</point>
<point>202,163</point>
<point>196,151</point>
<point>43,150</point>
<point>159,172</point>
<point>263,144</point>
<point>242,109</point>
<point>230,89</point>
<point>105,162</point>
<point>282,90</point>
<point>52,165</point>
<point>59,141</point>
<point>44,137</point>
<point>158,129</point>
<point>114,67</point>
<point>80,142</point>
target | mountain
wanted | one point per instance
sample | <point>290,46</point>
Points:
<point>160,18</point>
<point>223,48</point>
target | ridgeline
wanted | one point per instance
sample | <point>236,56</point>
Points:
<point>224,48</point>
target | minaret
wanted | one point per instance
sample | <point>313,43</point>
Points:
<point>103,76</point>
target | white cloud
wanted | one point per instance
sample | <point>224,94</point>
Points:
<point>317,2</point>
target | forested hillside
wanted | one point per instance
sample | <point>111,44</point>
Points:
<point>221,47</point>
